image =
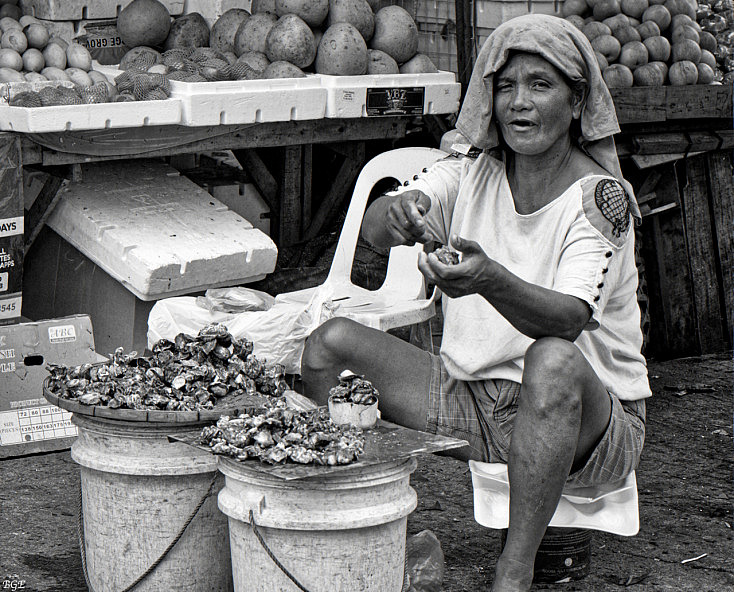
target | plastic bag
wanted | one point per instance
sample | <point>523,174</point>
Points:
<point>278,334</point>
<point>235,299</point>
<point>425,562</point>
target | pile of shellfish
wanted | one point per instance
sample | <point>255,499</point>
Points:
<point>279,434</point>
<point>187,374</point>
<point>353,388</point>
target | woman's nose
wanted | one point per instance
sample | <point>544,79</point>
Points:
<point>520,98</point>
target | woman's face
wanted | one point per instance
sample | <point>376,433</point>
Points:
<point>533,105</point>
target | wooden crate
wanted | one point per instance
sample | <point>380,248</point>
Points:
<point>687,251</point>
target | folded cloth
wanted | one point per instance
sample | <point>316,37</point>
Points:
<point>565,47</point>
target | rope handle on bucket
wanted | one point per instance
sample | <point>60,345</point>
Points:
<point>291,577</point>
<point>155,564</point>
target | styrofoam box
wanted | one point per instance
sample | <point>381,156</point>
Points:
<point>244,101</point>
<point>347,95</point>
<point>492,13</point>
<point>88,117</point>
<point>250,101</point>
<point>71,10</point>
<point>158,233</point>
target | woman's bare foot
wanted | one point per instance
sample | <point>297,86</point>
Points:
<point>512,576</point>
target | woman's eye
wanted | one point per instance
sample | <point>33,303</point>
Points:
<point>502,87</point>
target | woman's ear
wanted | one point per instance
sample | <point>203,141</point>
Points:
<point>580,91</point>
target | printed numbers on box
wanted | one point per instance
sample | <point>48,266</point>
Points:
<point>4,281</point>
<point>7,306</point>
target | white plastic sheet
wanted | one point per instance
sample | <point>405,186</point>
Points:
<point>611,508</point>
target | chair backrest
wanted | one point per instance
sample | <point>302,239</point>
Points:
<point>403,275</point>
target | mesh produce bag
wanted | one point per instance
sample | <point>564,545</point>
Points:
<point>242,71</point>
<point>144,86</point>
<point>97,93</point>
<point>140,59</point>
<point>26,99</point>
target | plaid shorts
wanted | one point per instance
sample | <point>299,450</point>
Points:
<point>483,413</point>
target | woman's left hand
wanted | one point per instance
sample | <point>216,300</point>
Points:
<point>469,276</point>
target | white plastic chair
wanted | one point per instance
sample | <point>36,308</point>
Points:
<point>401,300</point>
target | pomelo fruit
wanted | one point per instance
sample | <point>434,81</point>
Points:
<point>144,22</point>
<point>395,33</point>
<point>354,12</point>
<point>290,40</point>
<point>225,28</point>
<point>342,51</point>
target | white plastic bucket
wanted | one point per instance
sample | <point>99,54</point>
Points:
<point>343,532</point>
<point>138,490</point>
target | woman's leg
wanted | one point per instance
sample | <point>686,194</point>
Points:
<point>562,414</point>
<point>400,371</point>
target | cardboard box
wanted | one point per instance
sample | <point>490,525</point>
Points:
<point>11,230</point>
<point>28,422</point>
<point>60,280</point>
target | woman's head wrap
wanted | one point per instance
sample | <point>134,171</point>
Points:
<point>565,47</point>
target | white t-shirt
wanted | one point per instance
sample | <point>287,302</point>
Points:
<point>571,245</point>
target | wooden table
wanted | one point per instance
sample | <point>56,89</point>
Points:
<point>286,188</point>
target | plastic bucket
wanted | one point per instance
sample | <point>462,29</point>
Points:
<point>138,490</point>
<point>343,532</point>
<point>564,554</point>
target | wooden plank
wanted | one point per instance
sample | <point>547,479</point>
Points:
<point>683,142</point>
<point>330,206</point>
<point>698,101</point>
<point>702,256</point>
<point>42,207</point>
<point>161,141</point>
<point>290,197</point>
<point>722,208</point>
<point>261,176</point>
<point>307,185</point>
<point>464,42</point>
<point>672,330</point>
<point>639,104</point>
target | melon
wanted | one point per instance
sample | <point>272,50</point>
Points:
<point>395,33</point>
<point>225,28</point>
<point>354,12</point>
<point>189,30</point>
<point>282,69</point>
<point>312,12</point>
<point>143,22</point>
<point>381,63</point>
<point>419,64</point>
<point>291,40</point>
<point>252,33</point>
<point>342,51</point>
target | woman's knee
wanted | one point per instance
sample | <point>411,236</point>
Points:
<point>554,370</point>
<point>330,340</point>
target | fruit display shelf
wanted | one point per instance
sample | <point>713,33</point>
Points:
<point>391,94</point>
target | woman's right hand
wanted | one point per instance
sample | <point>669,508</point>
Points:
<point>404,218</point>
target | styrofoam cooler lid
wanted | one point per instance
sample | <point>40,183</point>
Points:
<point>157,232</point>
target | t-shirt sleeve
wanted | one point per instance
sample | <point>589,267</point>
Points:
<point>590,262</point>
<point>440,182</point>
